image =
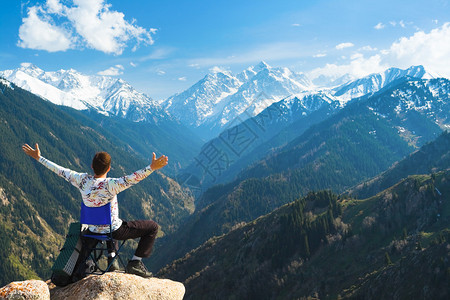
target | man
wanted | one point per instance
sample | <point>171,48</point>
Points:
<point>98,189</point>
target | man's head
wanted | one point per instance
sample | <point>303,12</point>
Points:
<point>101,163</point>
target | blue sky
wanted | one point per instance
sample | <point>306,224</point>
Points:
<point>163,47</point>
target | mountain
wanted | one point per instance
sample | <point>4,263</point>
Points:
<point>246,142</point>
<point>36,206</point>
<point>375,82</point>
<point>322,246</point>
<point>221,99</point>
<point>193,106</point>
<point>107,95</point>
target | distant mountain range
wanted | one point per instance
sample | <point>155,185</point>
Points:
<point>221,100</point>
<point>218,101</point>
<point>107,95</point>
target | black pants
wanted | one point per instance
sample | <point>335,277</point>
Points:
<point>144,229</point>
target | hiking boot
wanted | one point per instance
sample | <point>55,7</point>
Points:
<point>137,267</point>
<point>115,265</point>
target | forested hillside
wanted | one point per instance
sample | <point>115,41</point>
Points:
<point>37,206</point>
<point>322,246</point>
<point>432,157</point>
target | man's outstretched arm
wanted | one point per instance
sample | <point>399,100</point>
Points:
<point>117,185</point>
<point>69,175</point>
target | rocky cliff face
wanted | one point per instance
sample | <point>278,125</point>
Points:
<point>113,285</point>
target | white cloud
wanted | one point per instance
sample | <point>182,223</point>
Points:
<point>358,66</point>
<point>89,23</point>
<point>319,55</point>
<point>368,48</point>
<point>344,45</point>
<point>161,72</point>
<point>295,25</point>
<point>134,65</point>
<point>432,50</point>
<point>113,71</point>
<point>182,79</point>
<point>429,49</point>
<point>38,32</point>
<point>379,26</point>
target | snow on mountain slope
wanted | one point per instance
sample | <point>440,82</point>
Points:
<point>107,95</point>
<point>374,82</point>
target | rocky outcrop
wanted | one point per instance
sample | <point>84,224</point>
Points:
<point>25,290</point>
<point>112,285</point>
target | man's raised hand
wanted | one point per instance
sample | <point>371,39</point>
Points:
<point>34,153</point>
<point>158,163</point>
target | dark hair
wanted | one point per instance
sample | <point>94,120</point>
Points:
<point>101,163</point>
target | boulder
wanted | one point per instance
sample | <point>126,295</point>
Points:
<point>115,285</point>
<point>25,290</point>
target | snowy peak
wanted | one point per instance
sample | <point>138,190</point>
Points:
<point>252,71</point>
<point>261,66</point>
<point>31,69</point>
<point>374,82</point>
<point>107,95</point>
<point>200,101</point>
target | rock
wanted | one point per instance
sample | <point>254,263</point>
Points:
<point>24,290</point>
<point>115,285</point>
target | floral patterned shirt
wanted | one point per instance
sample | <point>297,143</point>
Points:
<point>99,191</point>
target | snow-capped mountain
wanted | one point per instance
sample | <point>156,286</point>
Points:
<point>428,98</point>
<point>198,103</point>
<point>107,95</point>
<point>221,97</point>
<point>266,86</point>
<point>374,82</point>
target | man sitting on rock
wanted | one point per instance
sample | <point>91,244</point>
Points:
<point>98,189</point>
